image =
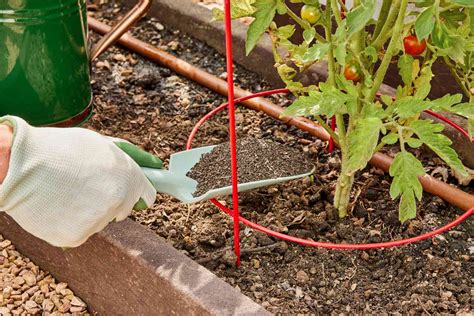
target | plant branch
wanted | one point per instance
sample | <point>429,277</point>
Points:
<point>400,137</point>
<point>391,50</point>
<point>384,12</point>
<point>386,30</point>
<point>337,12</point>
<point>331,62</point>
<point>458,79</point>
<point>332,76</point>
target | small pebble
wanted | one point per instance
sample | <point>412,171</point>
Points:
<point>256,263</point>
<point>302,277</point>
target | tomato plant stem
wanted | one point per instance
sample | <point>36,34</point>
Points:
<point>460,82</point>
<point>337,12</point>
<point>343,193</point>
<point>384,34</point>
<point>391,50</point>
<point>384,12</point>
<point>331,62</point>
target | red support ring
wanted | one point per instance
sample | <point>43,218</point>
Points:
<point>313,243</point>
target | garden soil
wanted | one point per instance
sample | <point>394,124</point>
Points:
<point>273,160</point>
<point>156,109</point>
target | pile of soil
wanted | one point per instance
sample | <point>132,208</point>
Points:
<point>258,159</point>
<point>156,109</point>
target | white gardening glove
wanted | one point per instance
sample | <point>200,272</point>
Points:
<point>65,184</point>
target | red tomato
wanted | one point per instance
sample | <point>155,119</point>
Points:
<point>413,46</point>
<point>351,73</point>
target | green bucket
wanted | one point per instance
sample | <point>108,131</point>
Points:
<point>44,61</point>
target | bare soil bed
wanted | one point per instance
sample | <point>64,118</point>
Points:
<point>153,107</point>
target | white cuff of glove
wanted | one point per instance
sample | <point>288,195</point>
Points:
<point>63,185</point>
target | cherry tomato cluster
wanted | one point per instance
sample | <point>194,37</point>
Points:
<point>310,13</point>
<point>413,46</point>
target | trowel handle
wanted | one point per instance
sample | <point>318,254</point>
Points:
<point>158,177</point>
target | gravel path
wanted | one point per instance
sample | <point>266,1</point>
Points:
<point>25,289</point>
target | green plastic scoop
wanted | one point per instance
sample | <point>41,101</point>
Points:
<point>175,182</point>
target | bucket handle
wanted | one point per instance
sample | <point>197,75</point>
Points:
<point>135,14</point>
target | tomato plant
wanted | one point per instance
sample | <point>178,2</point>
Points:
<point>310,13</point>
<point>413,46</point>
<point>358,50</point>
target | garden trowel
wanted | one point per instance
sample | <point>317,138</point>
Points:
<point>175,182</point>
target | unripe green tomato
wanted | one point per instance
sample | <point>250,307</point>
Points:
<point>310,13</point>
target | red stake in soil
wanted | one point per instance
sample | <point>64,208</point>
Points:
<point>232,134</point>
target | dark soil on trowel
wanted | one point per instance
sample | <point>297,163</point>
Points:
<point>156,109</point>
<point>257,159</point>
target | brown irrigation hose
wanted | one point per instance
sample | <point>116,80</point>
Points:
<point>448,193</point>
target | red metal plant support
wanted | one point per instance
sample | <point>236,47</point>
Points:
<point>313,243</point>
<point>235,198</point>
<point>232,134</point>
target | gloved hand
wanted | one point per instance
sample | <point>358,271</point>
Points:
<point>65,184</point>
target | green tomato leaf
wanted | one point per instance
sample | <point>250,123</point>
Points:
<point>285,32</point>
<point>423,83</point>
<point>302,106</point>
<point>405,64</point>
<point>430,135</point>
<point>414,142</point>
<point>340,38</point>
<point>358,18</point>
<point>407,107</point>
<point>425,23</point>
<point>286,72</point>
<point>390,139</point>
<point>363,140</point>
<point>340,53</point>
<point>453,18</point>
<point>457,49</point>
<point>238,9</point>
<point>308,35</point>
<point>446,102</point>
<point>329,101</point>
<point>347,85</point>
<point>386,99</point>
<point>441,36</point>
<point>466,3</point>
<point>265,11</point>
<point>316,52</point>
<point>371,53</point>
<point>405,170</point>
<point>424,3</point>
<point>281,7</point>
<point>374,110</point>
